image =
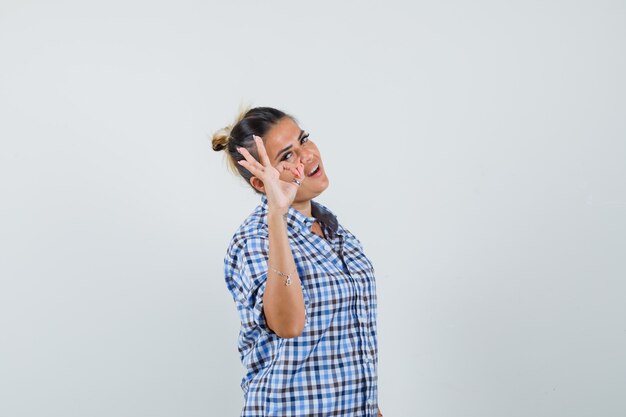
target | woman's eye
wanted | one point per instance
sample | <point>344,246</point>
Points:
<point>303,140</point>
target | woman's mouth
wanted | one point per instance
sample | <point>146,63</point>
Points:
<point>316,171</point>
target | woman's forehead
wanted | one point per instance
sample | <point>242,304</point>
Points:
<point>282,133</point>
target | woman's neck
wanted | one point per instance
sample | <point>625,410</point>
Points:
<point>303,207</point>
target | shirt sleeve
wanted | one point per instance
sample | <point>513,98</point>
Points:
<point>252,274</point>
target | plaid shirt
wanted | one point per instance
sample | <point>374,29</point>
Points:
<point>331,368</point>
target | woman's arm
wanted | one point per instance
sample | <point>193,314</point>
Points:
<point>283,305</point>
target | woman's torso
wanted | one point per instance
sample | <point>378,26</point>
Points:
<point>331,368</point>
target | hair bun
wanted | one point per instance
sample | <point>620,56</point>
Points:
<point>221,138</point>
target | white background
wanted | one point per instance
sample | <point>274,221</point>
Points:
<point>477,149</point>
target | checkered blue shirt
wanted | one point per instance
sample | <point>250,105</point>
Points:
<point>331,368</point>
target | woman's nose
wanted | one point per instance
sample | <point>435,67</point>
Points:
<point>306,157</point>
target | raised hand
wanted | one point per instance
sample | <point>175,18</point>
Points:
<point>280,194</point>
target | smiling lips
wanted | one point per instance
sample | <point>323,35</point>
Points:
<point>314,171</point>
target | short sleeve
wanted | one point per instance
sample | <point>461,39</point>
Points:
<point>253,276</point>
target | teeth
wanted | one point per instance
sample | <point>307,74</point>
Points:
<point>313,170</point>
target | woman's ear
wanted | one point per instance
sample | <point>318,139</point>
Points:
<point>257,184</point>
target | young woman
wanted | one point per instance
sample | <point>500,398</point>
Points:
<point>303,287</point>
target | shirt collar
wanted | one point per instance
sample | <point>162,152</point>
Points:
<point>300,222</point>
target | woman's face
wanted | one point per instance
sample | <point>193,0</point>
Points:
<point>286,143</point>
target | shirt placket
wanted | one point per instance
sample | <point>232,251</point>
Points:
<point>367,343</point>
<point>361,289</point>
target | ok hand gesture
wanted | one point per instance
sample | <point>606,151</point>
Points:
<point>280,194</point>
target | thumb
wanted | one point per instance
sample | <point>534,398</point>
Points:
<point>296,170</point>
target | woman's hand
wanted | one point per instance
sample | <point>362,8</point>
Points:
<point>380,413</point>
<point>280,194</point>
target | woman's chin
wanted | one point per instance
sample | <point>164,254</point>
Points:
<point>318,189</point>
<point>323,184</point>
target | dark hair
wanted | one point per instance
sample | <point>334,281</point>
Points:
<point>255,121</point>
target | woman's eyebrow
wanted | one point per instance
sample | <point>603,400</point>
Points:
<point>286,148</point>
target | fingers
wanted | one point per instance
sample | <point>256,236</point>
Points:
<point>250,163</point>
<point>259,168</point>
<point>265,160</point>
<point>299,171</point>
<point>296,170</point>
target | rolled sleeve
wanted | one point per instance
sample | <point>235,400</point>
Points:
<point>255,304</point>
<point>253,275</point>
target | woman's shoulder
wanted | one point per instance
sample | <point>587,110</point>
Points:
<point>254,227</point>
